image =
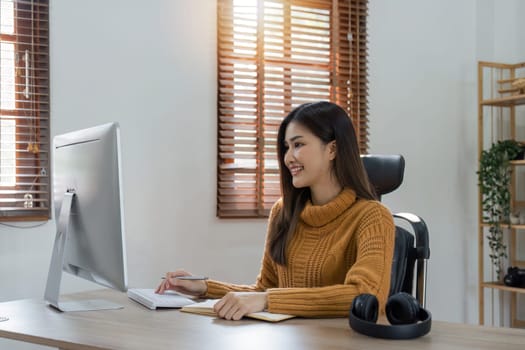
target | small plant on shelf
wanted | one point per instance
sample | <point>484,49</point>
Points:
<point>494,177</point>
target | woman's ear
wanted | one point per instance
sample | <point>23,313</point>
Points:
<point>332,150</point>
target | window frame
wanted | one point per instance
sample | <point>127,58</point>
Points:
<point>248,191</point>
<point>29,198</point>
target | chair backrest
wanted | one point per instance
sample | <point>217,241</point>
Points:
<point>385,171</point>
<point>411,251</point>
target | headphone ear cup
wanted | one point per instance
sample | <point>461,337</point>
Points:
<point>402,308</point>
<point>365,307</point>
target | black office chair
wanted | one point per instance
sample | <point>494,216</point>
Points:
<point>385,172</point>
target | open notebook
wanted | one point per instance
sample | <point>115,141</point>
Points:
<point>206,308</point>
<point>152,300</point>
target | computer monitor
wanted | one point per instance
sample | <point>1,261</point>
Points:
<point>89,241</point>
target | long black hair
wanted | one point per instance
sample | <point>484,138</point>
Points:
<point>328,122</point>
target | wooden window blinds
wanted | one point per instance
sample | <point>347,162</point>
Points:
<point>274,55</point>
<point>24,110</point>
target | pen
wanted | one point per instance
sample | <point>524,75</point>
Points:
<point>194,278</point>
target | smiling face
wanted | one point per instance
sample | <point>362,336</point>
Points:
<point>308,159</point>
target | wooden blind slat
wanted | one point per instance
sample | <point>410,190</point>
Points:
<point>273,56</point>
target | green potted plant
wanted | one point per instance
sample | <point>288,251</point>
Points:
<point>494,178</point>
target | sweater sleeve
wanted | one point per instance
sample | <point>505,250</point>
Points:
<point>266,279</point>
<point>369,274</point>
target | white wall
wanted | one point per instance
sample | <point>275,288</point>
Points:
<point>423,104</point>
<point>152,67</point>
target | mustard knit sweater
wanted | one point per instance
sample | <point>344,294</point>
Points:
<point>339,250</point>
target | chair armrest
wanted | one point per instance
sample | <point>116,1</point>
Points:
<point>420,232</point>
<point>422,253</point>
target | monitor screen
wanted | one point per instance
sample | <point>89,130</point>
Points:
<point>88,205</point>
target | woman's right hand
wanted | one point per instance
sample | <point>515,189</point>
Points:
<point>188,287</point>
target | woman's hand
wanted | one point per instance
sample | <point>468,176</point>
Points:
<point>188,287</point>
<point>234,305</point>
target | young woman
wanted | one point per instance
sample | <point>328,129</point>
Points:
<point>328,239</point>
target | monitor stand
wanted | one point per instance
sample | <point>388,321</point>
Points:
<point>54,277</point>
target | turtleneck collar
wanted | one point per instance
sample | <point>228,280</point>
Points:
<point>320,215</point>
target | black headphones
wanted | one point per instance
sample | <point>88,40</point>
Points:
<point>408,320</point>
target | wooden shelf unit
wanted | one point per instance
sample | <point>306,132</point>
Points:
<point>495,94</point>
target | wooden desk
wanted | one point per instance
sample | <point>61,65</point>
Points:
<point>136,327</point>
